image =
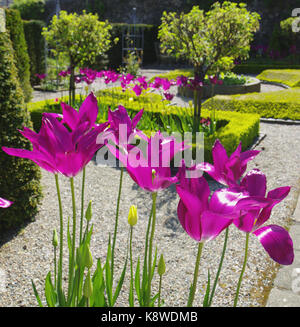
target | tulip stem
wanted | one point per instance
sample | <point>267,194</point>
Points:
<point>116,224</point>
<point>243,270</point>
<point>196,271</point>
<point>71,268</point>
<point>59,276</point>
<point>220,267</point>
<point>154,196</point>
<point>131,298</point>
<point>82,203</point>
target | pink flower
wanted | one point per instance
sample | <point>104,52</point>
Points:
<point>64,149</point>
<point>275,239</point>
<point>168,96</point>
<point>137,90</point>
<point>228,170</point>
<point>151,172</point>
<point>5,203</point>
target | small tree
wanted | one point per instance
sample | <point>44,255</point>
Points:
<point>81,37</point>
<point>210,41</point>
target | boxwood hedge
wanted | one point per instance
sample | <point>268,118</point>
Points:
<point>234,127</point>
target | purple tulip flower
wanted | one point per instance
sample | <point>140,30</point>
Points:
<point>137,90</point>
<point>5,203</point>
<point>275,239</point>
<point>226,170</point>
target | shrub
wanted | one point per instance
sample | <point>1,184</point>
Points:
<point>257,68</point>
<point>283,104</point>
<point>233,127</point>
<point>290,77</point>
<point>30,9</point>
<point>20,180</point>
<point>36,48</point>
<point>14,25</point>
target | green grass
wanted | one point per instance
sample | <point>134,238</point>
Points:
<point>284,104</point>
<point>290,77</point>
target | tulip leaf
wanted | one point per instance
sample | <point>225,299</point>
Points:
<point>49,291</point>
<point>36,294</point>
<point>120,283</point>
<point>137,281</point>
<point>206,297</point>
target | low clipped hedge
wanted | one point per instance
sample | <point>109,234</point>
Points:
<point>284,104</point>
<point>234,127</point>
<point>290,77</point>
<point>255,69</point>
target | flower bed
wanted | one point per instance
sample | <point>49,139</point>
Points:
<point>235,127</point>
<point>283,104</point>
<point>289,77</point>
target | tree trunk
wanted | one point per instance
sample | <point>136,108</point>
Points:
<point>72,85</point>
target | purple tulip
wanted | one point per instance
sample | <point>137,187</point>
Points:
<point>166,84</point>
<point>201,218</point>
<point>59,150</point>
<point>41,76</point>
<point>226,170</point>
<point>120,117</point>
<point>137,90</point>
<point>143,82</point>
<point>151,172</point>
<point>157,83</point>
<point>5,203</point>
<point>168,96</point>
<point>275,239</point>
<point>182,80</point>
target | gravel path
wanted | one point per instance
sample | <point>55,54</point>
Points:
<point>28,255</point>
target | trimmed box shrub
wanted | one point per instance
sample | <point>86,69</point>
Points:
<point>290,77</point>
<point>14,25</point>
<point>257,68</point>
<point>20,178</point>
<point>283,104</point>
<point>233,127</point>
<point>36,48</point>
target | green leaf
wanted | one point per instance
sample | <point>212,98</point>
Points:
<point>120,283</point>
<point>137,281</point>
<point>36,294</point>
<point>50,291</point>
<point>206,297</point>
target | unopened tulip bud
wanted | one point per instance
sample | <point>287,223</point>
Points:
<point>88,258</point>
<point>132,216</point>
<point>161,268</point>
<point>88,213</point>
<point>54,239</point>
<point>88,286</point>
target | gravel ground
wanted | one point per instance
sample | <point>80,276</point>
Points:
<point>27,255</point>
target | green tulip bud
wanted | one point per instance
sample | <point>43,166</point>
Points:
<point>132,215</point>
<point>88,213</point>
<point>161,268</point>
<point>55,239</point>
<point>87,257</point>
<point>88,286</point>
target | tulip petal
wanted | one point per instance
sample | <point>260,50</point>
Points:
<point>88,110</point>
<point>277,242</point>
<point>137,118</point>
<point>70,115</point>
<point>5,203</point>
<point>212,225</point>
<point>255,182</point>
<point>189,222</point>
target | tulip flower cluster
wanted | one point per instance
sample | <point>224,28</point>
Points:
<point>67,142</point>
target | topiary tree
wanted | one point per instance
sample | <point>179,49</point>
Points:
<point>81,37</point>
<point>15,27</point>
<point>20,178</point>
<point>211,40</point>
<point>30,9</point>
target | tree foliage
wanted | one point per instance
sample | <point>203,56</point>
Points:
<point>80,37</point>
<point>210,40</point>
